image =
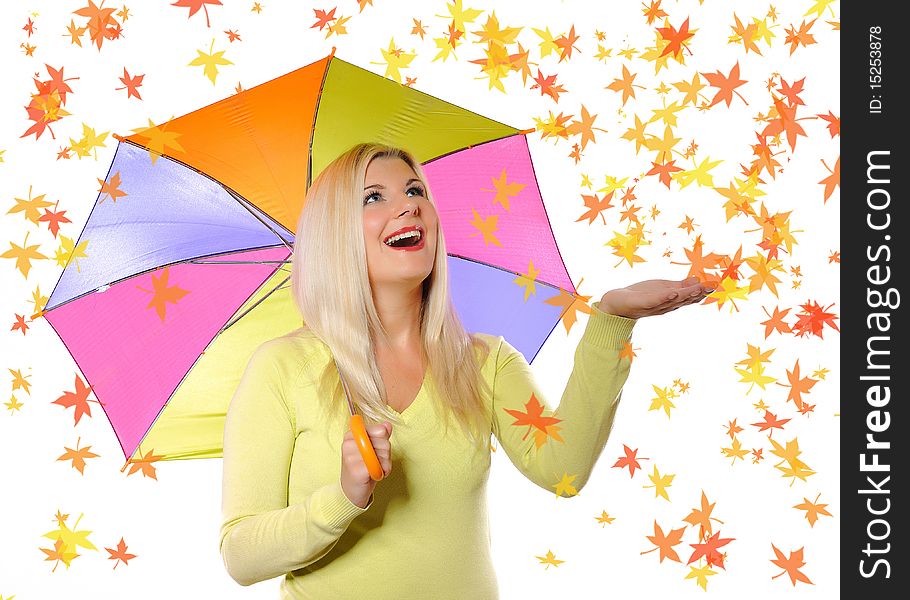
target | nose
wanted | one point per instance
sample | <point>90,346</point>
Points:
<point>408,204</point>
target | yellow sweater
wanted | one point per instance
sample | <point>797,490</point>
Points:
<point>425,533</point>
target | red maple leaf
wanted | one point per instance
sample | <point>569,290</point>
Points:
<point>195,5</point>
<point>813,319</point>
<point>323,18</point>
<point>20,324</point>
<point>532,417</point>
<point>131,84</point>
<point>78,399</point>
<point>771,422</point>
<point>548,86</point>
<point>629,460</point>
<point>675,37</point>
<point>792,92</point>
<point>709,550</point>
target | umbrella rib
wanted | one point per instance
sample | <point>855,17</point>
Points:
<point>486,264</point>
<point>257,303</point>
<point>237,197</point>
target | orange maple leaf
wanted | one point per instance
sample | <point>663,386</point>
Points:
<point>625,85</point>
<point>595,206</point>
<point>59,553</point>
<point>78,456</point>
<point>798,386</point>
<point>195,5</point>
<point>726,85</point>
<point>532,417</point>
<point>833,123</point>
<point>101,24</point>
<point>801,37</point>
<point>571,304</point>
<point>162,293</point>
<point>111,188</point>
<point>665,543</point>
<point>813,509</point>
<point>831,181</point>
<point>702,517</point>
<point>786,122</point>
<point>776,322</point>
<point>120,554</point>
<point>78,399</point>
<point>700,263</point>
<point>566,44</point>
<point>630,460</point>
<point>791,565</point>
<point>143,464</point>
<point>664,171</point>
<point>654,11</point>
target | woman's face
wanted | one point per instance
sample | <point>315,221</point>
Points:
<point>394,199</point>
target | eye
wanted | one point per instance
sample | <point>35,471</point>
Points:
<point>418,190</point>
<point>367,198</point>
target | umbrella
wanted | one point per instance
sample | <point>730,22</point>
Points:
<point>182,267</point>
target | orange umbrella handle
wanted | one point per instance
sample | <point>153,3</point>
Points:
<point>366,448</point>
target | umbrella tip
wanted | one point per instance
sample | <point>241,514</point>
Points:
<point>332,54</point>
<point>38,315</point>
<point>527,131</point>
<point>117,137</point>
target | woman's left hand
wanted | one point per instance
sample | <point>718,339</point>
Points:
<point>652,297</point>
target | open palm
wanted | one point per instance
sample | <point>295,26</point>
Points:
<point>652,297</point>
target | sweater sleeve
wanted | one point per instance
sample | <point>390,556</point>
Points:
<point>579,428</point>
<point>261,536</point>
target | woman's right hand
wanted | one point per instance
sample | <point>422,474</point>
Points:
<point>355,478</point>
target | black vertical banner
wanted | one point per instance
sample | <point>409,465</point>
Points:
<point>874,261</point>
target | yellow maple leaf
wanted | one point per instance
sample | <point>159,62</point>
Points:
<point>24,255</point>
<point>13,405</point>
<point>492,33</point>
<point>30,207</point>
<point>395,59</point>
<point>20,381</point>
<point>564,486</point>
<point>549,559</point>
<point>754,375</point>
<point>571,303</point>
<point>210,61</point>
<point>486,226</point>
<point>504,189</point>
<point>69,251</point>
<point>159,140</point>
<point>89,142</point>
<point>701,174</point>
<point>605,519</point>
<point>663,146</point>
<point>526,280</point>
<point>735,451</point>
<point>662,400</point>
<point>661,483</point>
<point>547,44</point>
<point>700,575</point>
<point>728,290</point>
<point>625,246</point>
<point>461,15</point>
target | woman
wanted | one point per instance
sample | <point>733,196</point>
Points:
<point>298,500</point>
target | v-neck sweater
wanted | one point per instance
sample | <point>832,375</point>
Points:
<point>425,532</point>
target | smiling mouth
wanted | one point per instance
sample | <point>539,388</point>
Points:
<point>408,240</point>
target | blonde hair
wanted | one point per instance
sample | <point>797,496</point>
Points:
<point>331,288</point>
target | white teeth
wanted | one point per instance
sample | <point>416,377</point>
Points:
<point>401,236</point>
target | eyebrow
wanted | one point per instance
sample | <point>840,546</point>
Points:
<point>382,187</point>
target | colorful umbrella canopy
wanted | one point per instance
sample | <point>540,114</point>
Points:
<point>182,268</point>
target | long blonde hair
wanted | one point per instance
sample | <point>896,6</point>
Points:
<point>331,288</point>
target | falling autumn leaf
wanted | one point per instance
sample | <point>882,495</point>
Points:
<point>78,456</point>
<point>813,509</point>
<point>665,543</point>
<point>532,416</point>
<point>120,554</point>
<point>791,565</point>
<point>195,5</point>
<point>77,399</point>
<point>210,61</point>
<point>132,84</point>
<point>630,460</point>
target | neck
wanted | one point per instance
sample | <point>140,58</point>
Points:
<point>399,312</point>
